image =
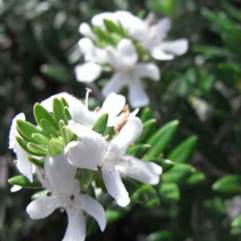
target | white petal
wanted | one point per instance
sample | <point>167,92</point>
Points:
<point>115,186</point>
<point>124,57</point>
<point>116,83</point>
<point>60,174</point>
<point>91,52</point>
<point>149,70</point>
<point>87,48</point>
<point>87,72</point>
<point>15,188</point>
<point>98,20</point>
<point>146,172</point>
<point>13,130</point>
<point>177,47</point>
<point>86,30</point>
<point>161,29</point>
<point>24,166</point>
<point>76,230</point>
<point>113,105</point>
<point>94,209</point>
<point>88,151</point>
<point>127,135</point>
<point>159,54</point>
<point>78,111</point>
<point>134,25</point>
<point>42,207</point>
<point>137,95</point>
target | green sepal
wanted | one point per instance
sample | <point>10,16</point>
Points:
<point>56,146</point>
<point>68,135</point>
<point>37,149</point>
<point>23,182</point>
<point>101,124</point>
<point>160,140</point>
<point>183,151</point>
<point>85,178</point>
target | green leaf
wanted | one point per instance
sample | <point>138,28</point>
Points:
<point>161,236</point>
<point>113,215</point>
<point>55,73</point>
<point>43,117</point>
<point>112,27</point>
<point>58,111</point>
<point>169,192</point>
<point>146,114</point>
<point>229,184</point>
<point>37,149</point>
<point>48,129</point>
<point>26,129</point>
<point>183,151</point>
<point>138,150</point>
<point>160,140</point>
<point>23,182</point>
<point>36,161</point>
<point>55,146</point>
<point>147,196</point>
<point>104,36</point>
<point>101,124</point>
<point>148,129</point>
<point>40,138</point>
<point>236,226</point>
<point>179,173</point>
<point>196,179</point>
<point>24,145</point>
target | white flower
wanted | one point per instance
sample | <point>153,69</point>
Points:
<point>111,158</point>
<point>153,36</point>
<point>64,193</point>
<point>80,113</point>
<point>129,72</point>
<point>24,166</point>
<point>94,57</point>
<point>132,24</point>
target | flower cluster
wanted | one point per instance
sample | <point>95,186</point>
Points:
<point>129,47</point>
<point>72,153</point>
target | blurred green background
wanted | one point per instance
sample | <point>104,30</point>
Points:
<point>202,89</point>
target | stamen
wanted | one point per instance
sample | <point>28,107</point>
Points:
<point>88,91</point>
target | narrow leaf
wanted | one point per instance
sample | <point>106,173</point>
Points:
<point>183,151</point>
